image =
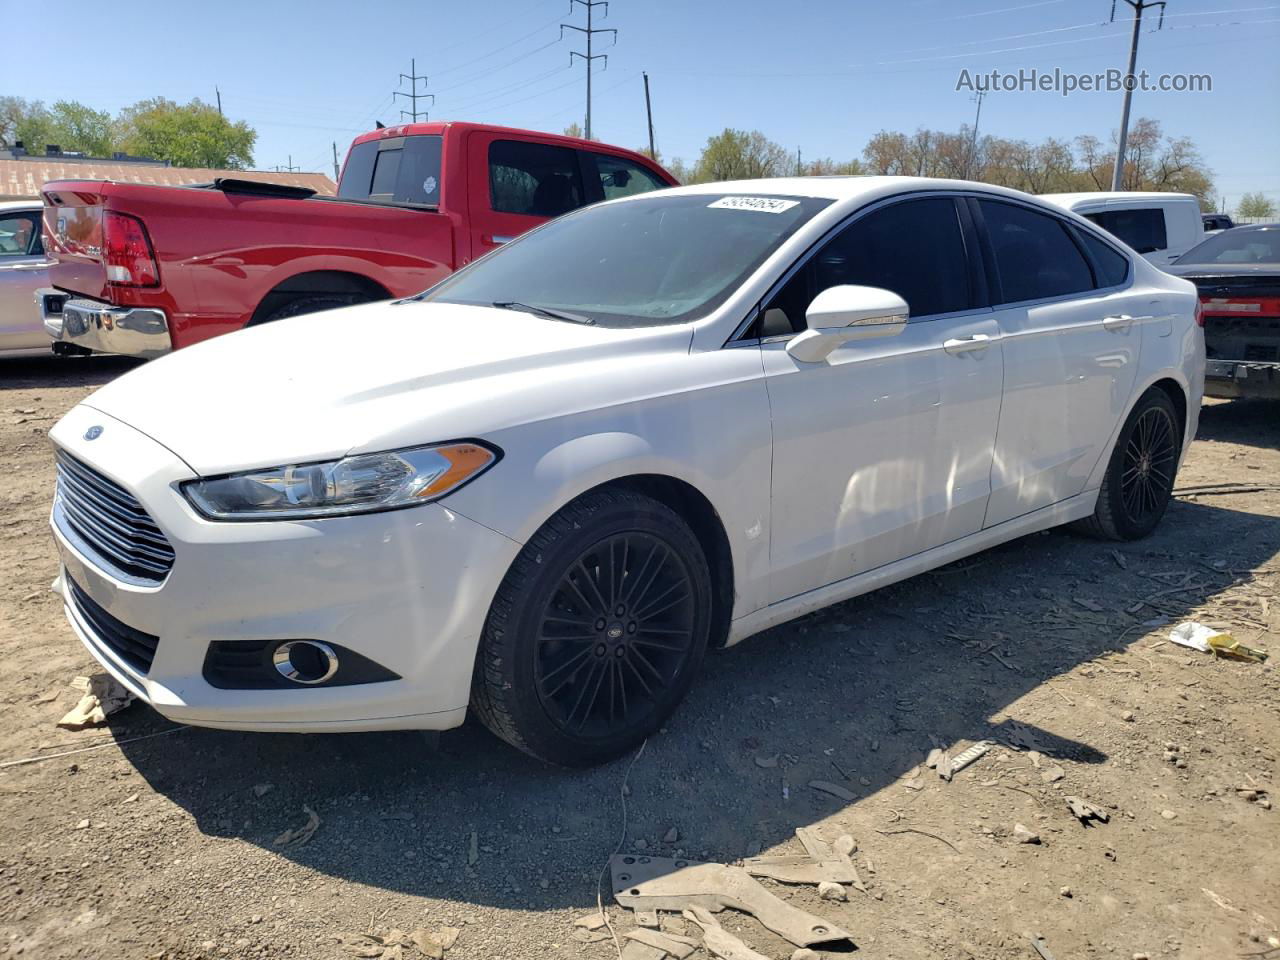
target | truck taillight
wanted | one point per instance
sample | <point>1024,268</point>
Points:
<point>127,252</point>
<point>1199,314</point>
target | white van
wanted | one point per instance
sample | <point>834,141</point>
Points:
<point>1160,226</point>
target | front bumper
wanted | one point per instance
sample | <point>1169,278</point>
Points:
<point>1232,379</point>
<point>407,589</point>
<point>103,328</point>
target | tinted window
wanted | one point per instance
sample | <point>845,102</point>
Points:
<point>1035,256</point>
<point>914,248</point>
<point>20,235</point>
<point>1237,246</point>
<point>1113,268</point>
<point>622,178</point>
<point>1144,229</point>
<point>533,178</point>
<point>395,170</point>
<point>656,259</point>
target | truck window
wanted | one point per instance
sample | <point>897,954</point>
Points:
<point>1143,228</point>
<point>622,178</point>
<point>395,170</point>
<point>535,179</point>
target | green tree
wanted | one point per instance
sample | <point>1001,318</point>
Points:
<point>1256,205</point>
<point>25,121</point>
<point>573,130</point>
<point>81,129</point>
<point>190,135</point>
<point>742,155</point>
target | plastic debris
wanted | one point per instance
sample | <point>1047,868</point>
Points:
<point>296,838</point>
<point>1084,811</point>
<point>718,941</point>
<point>669,943</point>
<point>103,696</point>
<point>1206,639</point>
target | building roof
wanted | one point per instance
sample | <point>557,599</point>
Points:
<point>25,177</point>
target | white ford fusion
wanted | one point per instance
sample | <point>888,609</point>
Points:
<point>543,488</point>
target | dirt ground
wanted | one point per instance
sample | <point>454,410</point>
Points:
<point>162,847</point>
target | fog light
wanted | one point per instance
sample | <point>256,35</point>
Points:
<point>305,661</point>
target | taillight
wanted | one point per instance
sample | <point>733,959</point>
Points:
<point>127,252</point>
<point>1199,314</point>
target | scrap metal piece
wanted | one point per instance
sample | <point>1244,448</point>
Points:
<point>968,756</point>
<point>1084,811</point>
<point>820,862</point>
<point>1042,948</point>
<point>719,941</point>
<point>663,883</point>
<point>826,786</point>
<point>647,918</point>
<point>669,943</point>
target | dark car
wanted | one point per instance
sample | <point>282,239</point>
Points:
<point>1216,221</point>
<point>1238,275</point>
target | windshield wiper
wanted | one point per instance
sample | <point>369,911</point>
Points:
<point>542,311</point>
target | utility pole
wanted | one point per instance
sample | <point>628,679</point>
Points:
<point>648,109</point>
<point>978,97</point>
<point>290,168</point>
<point>799,164</point>
<point>335,161</point>
<point>590,32</point>
<point>1117,174</point>
<point>414,96</point>
<point>218,93</point>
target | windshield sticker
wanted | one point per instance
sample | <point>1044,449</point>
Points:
<point>758,204</point>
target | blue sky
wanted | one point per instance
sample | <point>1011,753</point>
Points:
<point>819,75</point>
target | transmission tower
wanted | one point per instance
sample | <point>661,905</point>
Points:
<point>589,31</point>
<point>414,96</point>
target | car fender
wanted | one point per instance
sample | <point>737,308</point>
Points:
<point>1141,386</point>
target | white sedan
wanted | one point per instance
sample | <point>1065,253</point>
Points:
<point>543,488</point>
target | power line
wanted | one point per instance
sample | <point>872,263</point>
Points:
<point>497,50</point>
<point>990,13</point>
<point>413,96</point>
<point>589,32</point>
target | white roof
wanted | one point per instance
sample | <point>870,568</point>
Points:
<point>1071,201</point>
<point>842,188</point>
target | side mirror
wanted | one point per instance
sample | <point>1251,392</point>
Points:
<point>844,313</point>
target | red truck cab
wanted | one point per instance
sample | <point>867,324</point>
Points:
<point>141,270</point>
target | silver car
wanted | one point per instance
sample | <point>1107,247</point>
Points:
<point>23,268</point>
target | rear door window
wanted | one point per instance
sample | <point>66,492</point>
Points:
<point>534,179</point>
<point>1035,256</point>
<point>394,170</point>
<point>1143,229</point>
<point>914,248</point>
<point>20,235</point>
<point>622,178</point>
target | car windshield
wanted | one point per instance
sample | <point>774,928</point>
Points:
<point>654,260</point>
<point>1237,246</point>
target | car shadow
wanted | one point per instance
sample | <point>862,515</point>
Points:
<point>854,694</point>
<point>1249,422</point>
<point>27,373</point>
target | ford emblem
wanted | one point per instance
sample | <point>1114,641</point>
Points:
<point>93,433</point>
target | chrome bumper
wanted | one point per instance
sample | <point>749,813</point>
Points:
<point>1231,379</point>
<point>103,328</point>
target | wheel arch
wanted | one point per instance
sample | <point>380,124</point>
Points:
<point>318,283</point>
<point>1174,385</point>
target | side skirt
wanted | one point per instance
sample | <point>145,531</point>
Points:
<point>1076,508</point>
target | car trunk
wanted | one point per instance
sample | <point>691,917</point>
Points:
<point>1242,316</point>
<point>73,237</point>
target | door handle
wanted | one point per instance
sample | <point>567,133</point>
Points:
<point>1119,323</point>
<point>979,341</point>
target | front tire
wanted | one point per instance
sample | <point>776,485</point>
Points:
<point>596,631</point>
<point>1139,480</point>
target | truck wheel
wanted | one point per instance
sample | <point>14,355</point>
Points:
<point>596,632</point>
<point>296,308</point>
<point>1139,479</point>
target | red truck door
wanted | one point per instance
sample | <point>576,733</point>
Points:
<point>516,183</point>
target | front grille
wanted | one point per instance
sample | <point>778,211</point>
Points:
<point>135,648</point>
<point>111,522</point>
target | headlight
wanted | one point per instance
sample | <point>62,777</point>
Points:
<point>357,484</point>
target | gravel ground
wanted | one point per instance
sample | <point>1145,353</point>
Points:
<point>162,847</point>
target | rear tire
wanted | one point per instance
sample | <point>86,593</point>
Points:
<point>596,632</point>
<point>1139,480</point>
<point>296,308</point>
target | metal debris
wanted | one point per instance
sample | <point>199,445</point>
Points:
<point>662,883</point>
<point>647,918</point>
<point>1041,948</point>
<point>669,943</point>
<point>296,838</point>
<point>826,786</point>
<point>718,941</point>
<point>820,862</point>
<point>1084,811</point>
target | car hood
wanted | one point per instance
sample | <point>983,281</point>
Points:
<point>375,377</point>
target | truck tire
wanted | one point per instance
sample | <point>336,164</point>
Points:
<point>1139,480</point>
<point>296,308</point>
<point>596,632</point>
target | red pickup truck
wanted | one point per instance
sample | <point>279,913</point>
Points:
<point>142,270</point>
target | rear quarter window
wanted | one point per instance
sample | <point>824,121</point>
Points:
<point>395,170</point>
<point>1112,267</point>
